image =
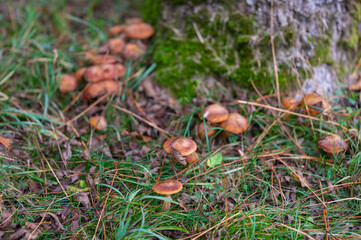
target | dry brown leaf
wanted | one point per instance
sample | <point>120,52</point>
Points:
<point>83,198</point>
<point>6,142</point>
<point>35,187</point>
<point>332,144</point>
<point>98,122</point>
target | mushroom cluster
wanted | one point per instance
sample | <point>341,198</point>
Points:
<point>216,114</point>
<point>312,103</point>
<point>128,42</point>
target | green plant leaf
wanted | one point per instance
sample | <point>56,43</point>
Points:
<point>215,160</point>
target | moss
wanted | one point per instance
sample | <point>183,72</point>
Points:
<point>228,52</point>
<point>151,11</point>
<point>180,60</point>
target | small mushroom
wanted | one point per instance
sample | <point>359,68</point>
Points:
<point>98,122</point>
<point>99,59</point>
<point>167,188</point>
<point>332,144</point>
<point>121,70</point>
<point>215,113</point>
<point>116,45</point>
<point>290,103</point>
<point>68,83</point>
<point>315,104</point>
<point>80,73</point>
<point>235,123</point>
<point>102,72</point>
<point>93,90</point>
<point>167,144</point>
<point>133,51</point>
<point>193,158</point>
<point>139,30</point>
<point>115,30</point>
<point>182,147</point>
<point>185,145</point>
<point>202,131</point>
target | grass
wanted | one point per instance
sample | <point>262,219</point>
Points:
<point>270,191</point>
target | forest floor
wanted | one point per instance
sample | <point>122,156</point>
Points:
<point>62,179</point>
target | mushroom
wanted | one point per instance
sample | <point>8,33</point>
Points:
<point>193,158</point>
<point>290,103</point>
<point>115,30</point>
<point>80,73</point>
<point>133,51</point>
<point>138,30</point>
<point>104,59</point>
<point>202,131</point>
<point>167,188</point>
<point>182,147</point>
<point>93,90</point>
<point>68,83</point>
<point>314,104</point>
<point>167,144</point>
<point>235,123</point>
<point>116,45</point>
<point>215,113</point>
<point>98,122</point>
<point>102,72</point>
<point>332,144</point>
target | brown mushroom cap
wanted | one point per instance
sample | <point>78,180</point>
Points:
<point>215,113</point>
<point>193,158</point>
<point>116,45</point>
<point>235,123</point>
<point>102,72</point>
<point>104,59</point>
<point>133,51</point>
<point>311,99</point>
<point>98,122</point>
<point>290,103</point>
<point>167,145</point>
<point>115,30</point>
<point>68,83</point>
<point>315,104</point>
<point>93,90</point>
<point>332,144</point>
<point>186,146</point>
<point>202,132</point>
<point>139,30</point>
<point>167,187</point>
<point>80,73</point>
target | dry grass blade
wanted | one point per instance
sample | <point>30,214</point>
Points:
<point>296,230</point>
<point>289,112</point>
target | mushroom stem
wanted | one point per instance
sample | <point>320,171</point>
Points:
<point>166,203</point>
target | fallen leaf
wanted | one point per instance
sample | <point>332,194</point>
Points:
<point>83,198</point>
<point>215,160</point>
<point>6,142</point>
